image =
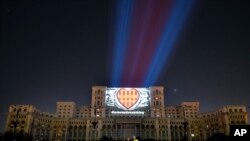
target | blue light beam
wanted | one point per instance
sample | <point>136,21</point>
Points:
<point>177,19</point>
<point>123,18</point>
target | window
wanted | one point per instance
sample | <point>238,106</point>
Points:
<point>157,103</point>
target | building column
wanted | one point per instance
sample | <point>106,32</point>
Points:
<point>99,129</point>
<point>169,130</point>
<point>77,132</point>
<point>51,133</point>
<point>157,129</point>
<point>227,124</point>
<point>204,133</point>
<point>87,131</point>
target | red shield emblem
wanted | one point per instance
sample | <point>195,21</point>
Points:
<point>128,97</point>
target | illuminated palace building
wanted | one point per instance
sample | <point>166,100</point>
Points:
<point>122,113</point>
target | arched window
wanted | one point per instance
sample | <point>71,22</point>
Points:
<point>98,103</point>
<point>157,103</point>
<point>232,122</point>
<point>243,122</point>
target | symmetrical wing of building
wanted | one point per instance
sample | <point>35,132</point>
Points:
<point>122,113</point>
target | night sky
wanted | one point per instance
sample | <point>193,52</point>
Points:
<point>55,51</point>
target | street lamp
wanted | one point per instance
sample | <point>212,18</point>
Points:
<point>192,136</point>
<point>207,131</point>
<point>59,135</point>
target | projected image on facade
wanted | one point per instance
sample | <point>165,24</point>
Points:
<point>127,98</point>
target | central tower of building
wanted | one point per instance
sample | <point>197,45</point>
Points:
<point>127,102</point>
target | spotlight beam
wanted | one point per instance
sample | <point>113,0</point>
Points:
<point>124,11</point>
<point>170,34</point>
<point>139,43</point>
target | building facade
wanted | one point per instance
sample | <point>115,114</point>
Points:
<point>135,114</point>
